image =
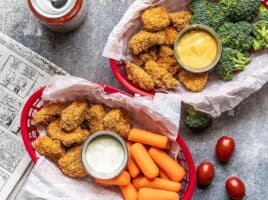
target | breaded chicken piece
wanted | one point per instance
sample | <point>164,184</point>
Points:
<point>49,148</point>
<point>94,116</point>
<point>195,82</point>
<point>68,139</point>
<point>73,115</point>
<point>180,19</point>
<point>71,163</point>
<point>142,58</point>
<point>48,113</point>
<point>139,77</point>
<point>162,78</point>
<point>144,40</point>
<point>167,60</point>
<point>117,121</point>
<point>171,34</point>
<point>155,19</point>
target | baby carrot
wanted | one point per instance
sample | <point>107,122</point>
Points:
<point>131,165</point>
<point>144,161</point>
<point>163,175</point>
<point>155,194</point>
<point>137,181</point>
<point>148,138</point>
<point>170,166</point>
<point>159,183</point>
<point>129,192</point>
<point>122,179</point>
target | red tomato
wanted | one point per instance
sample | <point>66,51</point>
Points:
<point>235,188</point>
<point>205,173</point>
<point>225,148</point>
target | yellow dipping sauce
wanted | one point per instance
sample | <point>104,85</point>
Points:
<point>197,49</point>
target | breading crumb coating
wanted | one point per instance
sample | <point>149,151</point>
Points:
<point>143,40</point>
<point>117,121</point>
<point>48,113</point>
<point>71,163</point>
<point>68,139</point>
<point>180,19</point>
<point>171,34</point>
<point>162,78</point>
<point>94,116</point>
<point>155,19</point>
<point>139,77</point>
<point>73,115</point>
<point>195,82</point>
<point>143,57</point>
<point>51,149</point>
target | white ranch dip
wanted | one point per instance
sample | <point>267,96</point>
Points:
<point>104,154</point>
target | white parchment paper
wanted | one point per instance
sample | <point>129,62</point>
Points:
<point>218,96</point>
<point>160,115</point>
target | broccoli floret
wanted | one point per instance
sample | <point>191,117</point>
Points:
<point>236,35</point>
<point>260,32</point>
<point>263,13</point>
<point>241,10</point>
<point>231,60</point>
<point>207,12</point>
<point>196,120</point>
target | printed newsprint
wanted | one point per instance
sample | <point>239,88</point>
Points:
<point>21,72</point>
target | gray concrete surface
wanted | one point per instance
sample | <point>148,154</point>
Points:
<point>79,53</point>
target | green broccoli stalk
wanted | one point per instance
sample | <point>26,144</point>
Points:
<point>236,35</point>
<point>260,32</point>
<point>231,60</point>
<point>196,120</point>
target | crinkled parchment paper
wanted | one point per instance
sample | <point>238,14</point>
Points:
<point>218,96</point>
<point>158,115</point>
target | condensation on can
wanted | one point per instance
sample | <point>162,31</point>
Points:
<point>65,19</point>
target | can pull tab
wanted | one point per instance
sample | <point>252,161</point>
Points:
<point>58,3</point>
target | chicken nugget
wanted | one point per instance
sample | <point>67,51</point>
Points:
<point>117,121</point>
<point>155,19</point>
<point>171,34</point>
<point>195,82</point>
<point>51,149</point>
<point>139,77</point>
<point>48,113</point>
<point>144,40</point>
<point>73,115</point>
<point>143,57</point>
<point>71,163</point>
<point>94,116</point>
<point>180,19</point>
<point>68,139</point>
<point>162,78</point>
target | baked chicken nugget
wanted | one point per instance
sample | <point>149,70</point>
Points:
<point>49,148</point>
<point>143,40</point>
<point>139,77</point>
<point>47,114</point>
<point>117,121</point>
<point>162,78</point>
<point>180,19</point>
<point>171,34</point>
<point>155,19</point>
<point>68,139</point>
<point>94,116</point>
<point>143,57</point>
<point>71,164</point>
<point>73,115</point>
<point>195,82</point>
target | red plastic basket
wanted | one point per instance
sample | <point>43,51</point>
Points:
<point>30,133</point>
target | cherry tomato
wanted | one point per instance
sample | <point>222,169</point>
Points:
<point>225,148</point>
<point>205,173</point>
<point>235,188</point>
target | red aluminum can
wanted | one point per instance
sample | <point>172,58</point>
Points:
<point>59,15</point>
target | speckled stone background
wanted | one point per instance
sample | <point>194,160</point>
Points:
<point>80,52</point>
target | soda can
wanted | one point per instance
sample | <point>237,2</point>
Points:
<point>59,15</point>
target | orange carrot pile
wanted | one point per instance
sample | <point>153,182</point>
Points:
<point>150,173</point>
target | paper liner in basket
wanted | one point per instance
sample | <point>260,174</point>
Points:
<point>218,96</point>
<point>159,115</point>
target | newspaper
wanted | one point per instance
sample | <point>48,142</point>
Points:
<point>21,72</point>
